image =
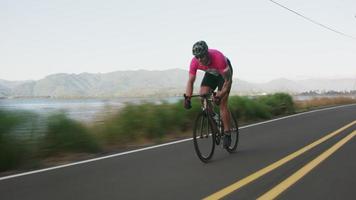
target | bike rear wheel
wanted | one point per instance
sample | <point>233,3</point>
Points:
<point>204,138</point>
<point>234,134</point>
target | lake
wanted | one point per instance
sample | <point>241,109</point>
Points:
<point>80,109</point>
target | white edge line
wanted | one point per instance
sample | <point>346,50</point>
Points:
<point>156,146</point>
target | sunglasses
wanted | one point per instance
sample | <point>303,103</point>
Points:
<point>200,56</point>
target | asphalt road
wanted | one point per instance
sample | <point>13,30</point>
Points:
<point>174,171</point>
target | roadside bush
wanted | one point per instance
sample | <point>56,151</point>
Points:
<point>184,119</point>
<point>14,150</point>
<point>278,104</point>
<point>148,121</point>
<point>66,135</point>
<point>247,109</point>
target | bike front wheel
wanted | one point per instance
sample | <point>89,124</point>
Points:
<point>204,138</point>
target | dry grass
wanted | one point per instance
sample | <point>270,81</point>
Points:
<point>322,102</point>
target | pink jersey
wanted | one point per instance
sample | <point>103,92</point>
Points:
<point>217,64</point>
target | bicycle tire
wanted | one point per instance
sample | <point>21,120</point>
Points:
<point>234,135</point>
<point>201,120</point>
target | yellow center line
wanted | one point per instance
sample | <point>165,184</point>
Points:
<point>277,190</point>
<point>231,188</point>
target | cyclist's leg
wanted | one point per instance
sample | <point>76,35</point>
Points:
<point>224,110</point>
<point>225,113</point>
<point>225,117</point>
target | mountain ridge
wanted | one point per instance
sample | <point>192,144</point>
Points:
<point>151,83</point>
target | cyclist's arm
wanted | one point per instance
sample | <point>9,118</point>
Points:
<point>189,89</point>
<point>227,75</point>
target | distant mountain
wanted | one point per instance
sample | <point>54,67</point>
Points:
<point>13,88</point>
<point>284,85</point>
<point>149,83</point>
<point>120,83</point>
<point>12,84</point>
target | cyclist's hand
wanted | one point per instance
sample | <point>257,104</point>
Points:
<point>187,102</point>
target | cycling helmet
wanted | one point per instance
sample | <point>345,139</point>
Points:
<point>200,49</point>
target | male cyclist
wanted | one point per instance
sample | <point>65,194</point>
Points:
<point>218,73</point>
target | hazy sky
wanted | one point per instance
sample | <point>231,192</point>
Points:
<point>263,40</point>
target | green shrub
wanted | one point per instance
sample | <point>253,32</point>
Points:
<point>67,135</point>
<point>279,103</point>
<point>148,120</point>
<point>247,109</point>
<point>14,150</point>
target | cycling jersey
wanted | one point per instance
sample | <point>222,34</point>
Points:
<point>218,64</point>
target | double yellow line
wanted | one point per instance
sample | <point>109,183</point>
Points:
<point>296,176</point>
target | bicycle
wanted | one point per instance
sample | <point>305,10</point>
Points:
<point>209,129</point>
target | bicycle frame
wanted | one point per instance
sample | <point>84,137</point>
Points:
<point>208,108</point>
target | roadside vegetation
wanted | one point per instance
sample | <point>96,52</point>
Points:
<point>322,102</point>
<point>133,125</point>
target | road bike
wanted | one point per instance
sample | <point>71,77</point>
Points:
<point>209,129</point>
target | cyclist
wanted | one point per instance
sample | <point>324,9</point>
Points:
<point>218,73</point>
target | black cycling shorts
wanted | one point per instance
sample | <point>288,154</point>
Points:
<point>213,81</point>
